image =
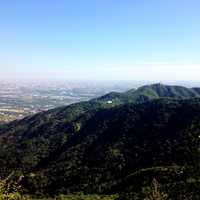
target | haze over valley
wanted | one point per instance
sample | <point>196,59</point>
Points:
<point>99,100</point>
<point>22,98</point>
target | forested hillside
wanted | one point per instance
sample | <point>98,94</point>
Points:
<point>149,92</point>
<point>112,147</point>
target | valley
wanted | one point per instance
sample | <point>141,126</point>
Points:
<point>23,98</point>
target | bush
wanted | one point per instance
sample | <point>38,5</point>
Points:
<point>9,189</point>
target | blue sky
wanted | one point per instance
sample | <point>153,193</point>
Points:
<point>100,39</point>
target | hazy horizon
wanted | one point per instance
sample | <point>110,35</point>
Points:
<point>100,40</point>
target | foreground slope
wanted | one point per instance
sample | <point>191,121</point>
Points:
<point>100,148</point>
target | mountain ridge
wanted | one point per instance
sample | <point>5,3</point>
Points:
<point>148,92</point>
<point>94,146</point>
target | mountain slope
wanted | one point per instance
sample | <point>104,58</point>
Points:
<point>149,92</point>
<point>98,149</point>
<point>197,90</point>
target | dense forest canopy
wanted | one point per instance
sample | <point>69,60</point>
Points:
<point>117,143</point>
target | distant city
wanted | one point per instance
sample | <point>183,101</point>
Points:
<point>22,98</point>
<point>19,99</point>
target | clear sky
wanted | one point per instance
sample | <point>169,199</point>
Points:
<point>100,39</point>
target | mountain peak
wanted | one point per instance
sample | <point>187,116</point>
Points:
<point>149,92</point>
